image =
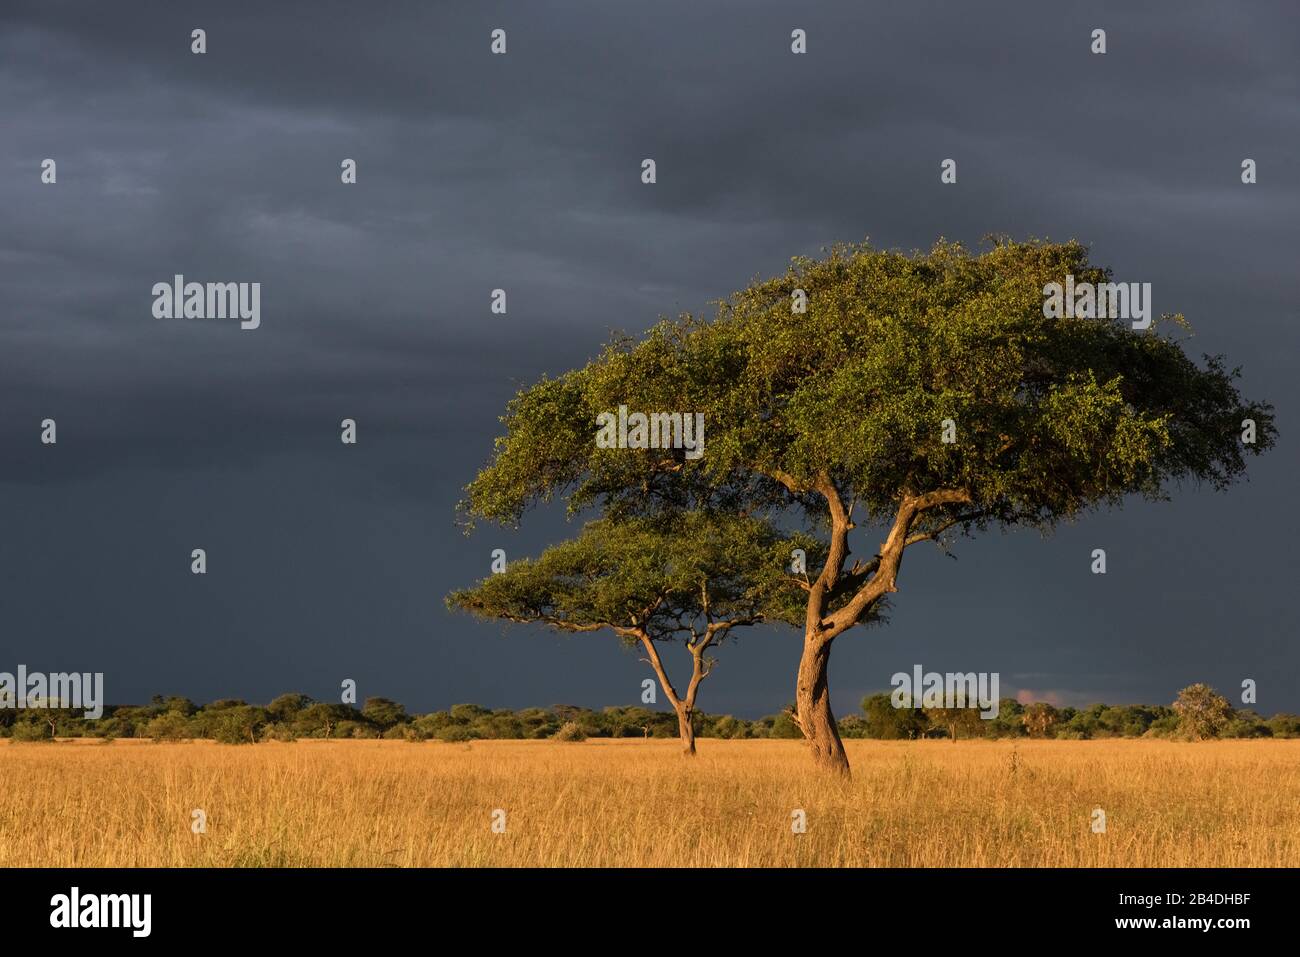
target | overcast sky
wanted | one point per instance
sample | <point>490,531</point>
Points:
<point>522,171</point>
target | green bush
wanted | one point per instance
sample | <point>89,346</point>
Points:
<point>783,726</point>
<point>1285,725</point>
<point>453,732</point>
<point>31,731</point>
<point>237,724</point>
<point>170,726</point>
<point>729,727</point>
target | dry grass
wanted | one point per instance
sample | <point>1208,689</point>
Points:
<point>632,802</point>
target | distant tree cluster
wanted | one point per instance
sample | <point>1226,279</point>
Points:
<point>292,716</point>
<point>1199,713</point>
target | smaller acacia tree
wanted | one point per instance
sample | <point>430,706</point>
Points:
<point>1202,712</point>
<point>688,576</point>
<point>958,722</point>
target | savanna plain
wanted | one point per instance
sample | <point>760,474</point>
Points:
<point>630,803</point>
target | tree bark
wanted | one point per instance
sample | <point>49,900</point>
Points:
<point>813,707</point>
<point>686,728</point>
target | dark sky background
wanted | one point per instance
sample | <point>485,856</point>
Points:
<point>523,172</point>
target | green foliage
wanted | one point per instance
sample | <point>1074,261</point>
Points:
<point>288,707</point>
<point>956,722</point>
<point>1247,724</point>
<point>31,731</point>
<point>885,721</point>
<point>847,401</point>
<point>454,732</point>
<point>783,726</point>
<point>467,712</point>
<point>1164,727</point>
<point>1285,725</point>
<point>1054,416</point>
<point>383,713</point>
<point>1009,722</point>
<point>237,724</point>
<point>725,727</point>
<point>853,726</point>
<point>182,706</point>
<point>169,726</point>
<point>660,573</point>
<point>245,724</point>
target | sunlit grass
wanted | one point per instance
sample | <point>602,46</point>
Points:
<point>639,803</point>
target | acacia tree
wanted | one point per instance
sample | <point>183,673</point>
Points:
<point>958,722</point>
<point>925,394</point>
<point>687,577</point>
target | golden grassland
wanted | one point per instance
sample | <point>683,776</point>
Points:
<point>640,803</point>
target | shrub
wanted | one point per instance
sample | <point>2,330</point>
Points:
<point>237,724</point>
<point>851,726</point>
<point>467,712</point>
<point>1285,725</point>
<point>728,727</point>
<point>1202,713</point>
<point>30,731</point>
<point>453,732</point>
<point>783,726</point>
<point>570,731</point>
<point>1247,724</point>
<point>169,726</point>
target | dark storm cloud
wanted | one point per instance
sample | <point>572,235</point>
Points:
<point>477,172</point>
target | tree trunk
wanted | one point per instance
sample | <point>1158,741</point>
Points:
<point>686,728</point>
<point>813,703</point>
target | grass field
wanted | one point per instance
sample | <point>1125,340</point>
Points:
<point>635,802</point>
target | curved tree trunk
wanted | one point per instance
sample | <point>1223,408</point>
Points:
<point>686,728</point>
<point>813,704</point>
<point>685,708</point>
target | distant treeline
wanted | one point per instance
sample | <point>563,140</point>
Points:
<point>1199,713</point>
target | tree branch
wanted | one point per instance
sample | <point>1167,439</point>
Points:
<point>890,558</point>
<point>658,666</point>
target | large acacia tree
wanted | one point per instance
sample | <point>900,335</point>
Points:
<point>921,394</point>
<point>688,578</point>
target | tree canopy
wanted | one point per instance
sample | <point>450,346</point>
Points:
<point>690,576</point>
<point>1052,416</point>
